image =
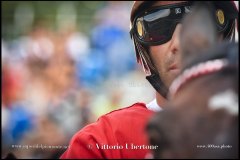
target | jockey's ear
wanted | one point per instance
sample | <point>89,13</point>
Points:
<point>198,31</point>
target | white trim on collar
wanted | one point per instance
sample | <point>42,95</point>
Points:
<point>153,106</point>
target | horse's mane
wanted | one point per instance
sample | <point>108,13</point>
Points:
<point>225,50</point>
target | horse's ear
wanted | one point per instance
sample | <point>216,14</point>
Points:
<point>156,133</point>
<point>198,31</point>
<point>10,156</point>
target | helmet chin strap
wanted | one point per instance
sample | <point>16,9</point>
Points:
<point>157,84</point>
<point>150,69</point>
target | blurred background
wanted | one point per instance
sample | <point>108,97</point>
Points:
<point>64,64</point>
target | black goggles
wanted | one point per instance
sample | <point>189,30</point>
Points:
<point>156,25</point>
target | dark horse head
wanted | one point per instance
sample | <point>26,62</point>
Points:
<point>201,120</point>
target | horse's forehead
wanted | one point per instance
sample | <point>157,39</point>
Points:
<point>227,100</point>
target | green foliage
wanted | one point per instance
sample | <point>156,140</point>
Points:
<point>46,11</point>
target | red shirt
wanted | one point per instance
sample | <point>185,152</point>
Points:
<point>118,134</point>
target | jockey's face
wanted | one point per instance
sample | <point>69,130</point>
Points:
<point>166,57</point>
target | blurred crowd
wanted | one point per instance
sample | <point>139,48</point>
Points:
<point>54,82</point>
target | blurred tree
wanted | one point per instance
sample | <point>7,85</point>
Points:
<point>16,15</point>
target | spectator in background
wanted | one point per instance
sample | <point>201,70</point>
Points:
<point>36,86</point>
<point>14,127</point>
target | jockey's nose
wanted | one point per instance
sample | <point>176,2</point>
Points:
<point>175,41</point>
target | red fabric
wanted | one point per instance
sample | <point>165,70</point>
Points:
<point>117,128</point>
